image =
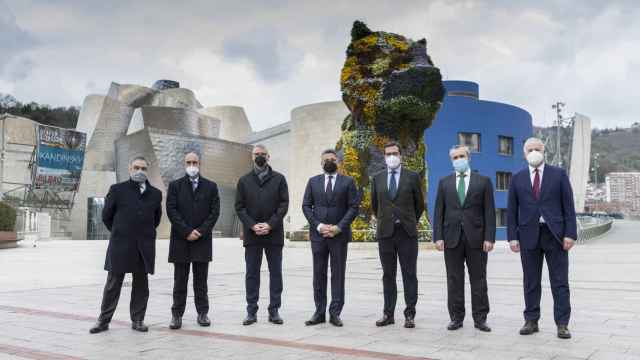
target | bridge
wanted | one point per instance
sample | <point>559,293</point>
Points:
<point>50,296</point>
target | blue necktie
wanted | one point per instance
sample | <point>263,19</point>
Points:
<point>393,187</point>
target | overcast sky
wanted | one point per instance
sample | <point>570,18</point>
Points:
<point>270,56</point>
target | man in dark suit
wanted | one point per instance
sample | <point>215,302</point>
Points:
<point>330,204</point>
<point>397,201</point>
<point>193,207</point>
<point>542,224</point>
<point>464,226</point>
<point>132,212</point>
<point>262,201</point>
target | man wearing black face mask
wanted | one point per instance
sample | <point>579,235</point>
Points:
<point>262,201</point>
<point>330,204</point>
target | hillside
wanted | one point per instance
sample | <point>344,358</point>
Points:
<point>619,148</point>
<point>43,114</point>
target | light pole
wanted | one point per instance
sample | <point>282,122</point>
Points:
<point>558,108</point>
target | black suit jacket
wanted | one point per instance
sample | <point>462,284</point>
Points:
<point>407,206</point>
<point>188,211</point>
<point>338,210</point>
<point>262,201</point>
<point>477,216</point>
<point>132,218</point>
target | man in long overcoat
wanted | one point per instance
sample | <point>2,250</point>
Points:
<point>132,212</point>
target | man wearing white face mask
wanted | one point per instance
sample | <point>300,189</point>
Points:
<point>542,224</point>
<point>464,227</point>
<point>397,202</point>
<point>132,212</point>
<point>193,207</point>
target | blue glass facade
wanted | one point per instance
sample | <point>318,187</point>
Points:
<point>494,131</point>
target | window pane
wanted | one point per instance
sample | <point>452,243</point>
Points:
<point>505,145</point>
<point>471,140</point>
<point>503,179</point>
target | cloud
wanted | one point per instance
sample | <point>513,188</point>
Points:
<point>13,42</point>
<point>271,56</point>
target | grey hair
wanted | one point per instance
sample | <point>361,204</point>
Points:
<point>458,147</point>
<point>135,158</point>
<point>530,141</point>
<point>195,152</point>
<point>261,146</point>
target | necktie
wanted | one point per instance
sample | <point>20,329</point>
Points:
<point>194,185</point>
<point>142,187</point>
<point>461,188</point>
<point>393,187</point>
<point>536,184</point>
<point>329,189</point>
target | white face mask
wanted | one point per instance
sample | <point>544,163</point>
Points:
<point>393,161</point>
<point>535,158</point>
<point>192,171</point>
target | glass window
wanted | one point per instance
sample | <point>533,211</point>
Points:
<point>471,140</point>
<point>503,179</point>
<point>96,230</point>
<point>505,145</point>
<point>501,217</point>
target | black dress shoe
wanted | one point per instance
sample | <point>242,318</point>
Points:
<point>176,323</point>
<point>482,326</point>
<point>409,322</point>
<point>139,326</point>
<point>454,325</point>
<point>385,320</point>
<point>203,320</point>
<point>529,327</point>
<point>316,319</point>
<point>250,319</point>
<point>99,327</point>
<point>275,318</point>
<point>335,321</point>
<point>563,332</point>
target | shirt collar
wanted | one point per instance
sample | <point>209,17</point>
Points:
<point>397,170</point>
<point>540,169</point>
<point>466,173</point>
<point>335,175</point>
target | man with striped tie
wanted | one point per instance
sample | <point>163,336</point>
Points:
<point>464,225</point>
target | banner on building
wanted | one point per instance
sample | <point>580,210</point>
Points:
<point>58,159</point>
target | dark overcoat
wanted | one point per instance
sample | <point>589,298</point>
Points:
<point>259,201</point>
<point>132,218</point>
<point>190,210</point>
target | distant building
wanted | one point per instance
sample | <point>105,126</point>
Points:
<point>624,188</point>
<point>495,133</point>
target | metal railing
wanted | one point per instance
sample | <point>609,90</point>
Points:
<point>590,227</point>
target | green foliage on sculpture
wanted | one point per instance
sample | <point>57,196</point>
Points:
<point>393,92</point>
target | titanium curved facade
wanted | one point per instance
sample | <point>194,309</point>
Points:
<point>496,133</point>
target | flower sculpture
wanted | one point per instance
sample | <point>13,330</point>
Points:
<point>393,92</point>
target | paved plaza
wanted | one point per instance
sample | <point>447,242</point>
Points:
<point>50,297</point>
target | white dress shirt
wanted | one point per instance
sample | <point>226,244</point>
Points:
<point>467,179</point>
<point>532,175</point>
<point>333,180</point>
<point>333,186</point>
<point>143,187</point>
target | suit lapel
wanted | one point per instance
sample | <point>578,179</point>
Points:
<point>544,184</point>
<point>452,185</point>
<point>472,182</point>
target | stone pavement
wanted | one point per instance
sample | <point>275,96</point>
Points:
<point>50,296</point>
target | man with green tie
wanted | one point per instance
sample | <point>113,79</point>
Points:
<point>464,227</point>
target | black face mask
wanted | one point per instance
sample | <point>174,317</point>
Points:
<point>260,160</point>
<point>330,167</point>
